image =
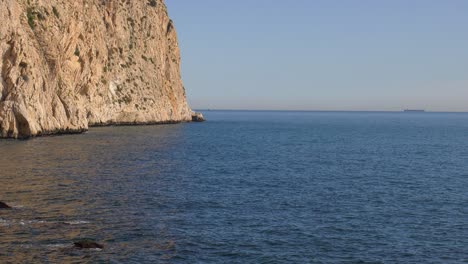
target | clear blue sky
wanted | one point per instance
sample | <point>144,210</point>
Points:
<point>324,54</point>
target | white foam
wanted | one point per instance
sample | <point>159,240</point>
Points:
<point>33,222</point>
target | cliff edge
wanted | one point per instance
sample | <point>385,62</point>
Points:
<point>67,65</point>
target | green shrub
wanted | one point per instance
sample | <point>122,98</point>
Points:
<point>30,15</point>
<point>77,51</point>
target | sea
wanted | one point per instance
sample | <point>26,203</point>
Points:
<point>243,187</point>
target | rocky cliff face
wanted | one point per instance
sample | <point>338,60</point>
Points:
<point>66,65</point>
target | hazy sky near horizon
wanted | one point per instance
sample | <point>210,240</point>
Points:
<point>324,54</point>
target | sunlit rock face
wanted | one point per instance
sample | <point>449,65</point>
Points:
<point>67,65</point>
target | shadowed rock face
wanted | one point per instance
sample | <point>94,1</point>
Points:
<point>67,65</point>
<point>197,117</point>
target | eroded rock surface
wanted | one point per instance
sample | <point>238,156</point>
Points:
<point>67,65</point>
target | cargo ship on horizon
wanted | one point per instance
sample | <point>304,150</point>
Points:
<point>414,110</point>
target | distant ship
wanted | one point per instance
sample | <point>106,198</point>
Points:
<point>414,110</point>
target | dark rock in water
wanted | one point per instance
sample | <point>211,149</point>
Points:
<point>87,244</point>
<point>4,206</point>
<point>197,117</point>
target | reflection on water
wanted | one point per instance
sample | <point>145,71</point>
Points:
<point>84,186</point>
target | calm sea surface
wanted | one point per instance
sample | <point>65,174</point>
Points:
<point>244,187</point>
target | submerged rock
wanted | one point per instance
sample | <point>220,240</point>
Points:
<point>87,244</point>
<point>198,117</point>
<point>4,206</point>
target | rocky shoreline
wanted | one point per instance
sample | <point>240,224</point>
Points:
<point>196,118</point>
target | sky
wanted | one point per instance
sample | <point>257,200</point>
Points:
<point>324,54</point>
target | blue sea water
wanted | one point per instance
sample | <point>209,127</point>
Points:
<point>244,187</point>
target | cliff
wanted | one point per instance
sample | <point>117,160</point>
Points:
<point>67,65</point>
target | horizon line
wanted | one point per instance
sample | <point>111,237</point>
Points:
<point>309,110</point>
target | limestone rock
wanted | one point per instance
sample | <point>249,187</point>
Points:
<point>67,65</point>
<point>197,117</point>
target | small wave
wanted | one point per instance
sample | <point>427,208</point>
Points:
<point>4,222</point>
<point>58,246</point>
<point>22,222</point>
<point>33,222</point>
<point>26,246</point>
<point>77,222</point>
<point>16,206</point>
